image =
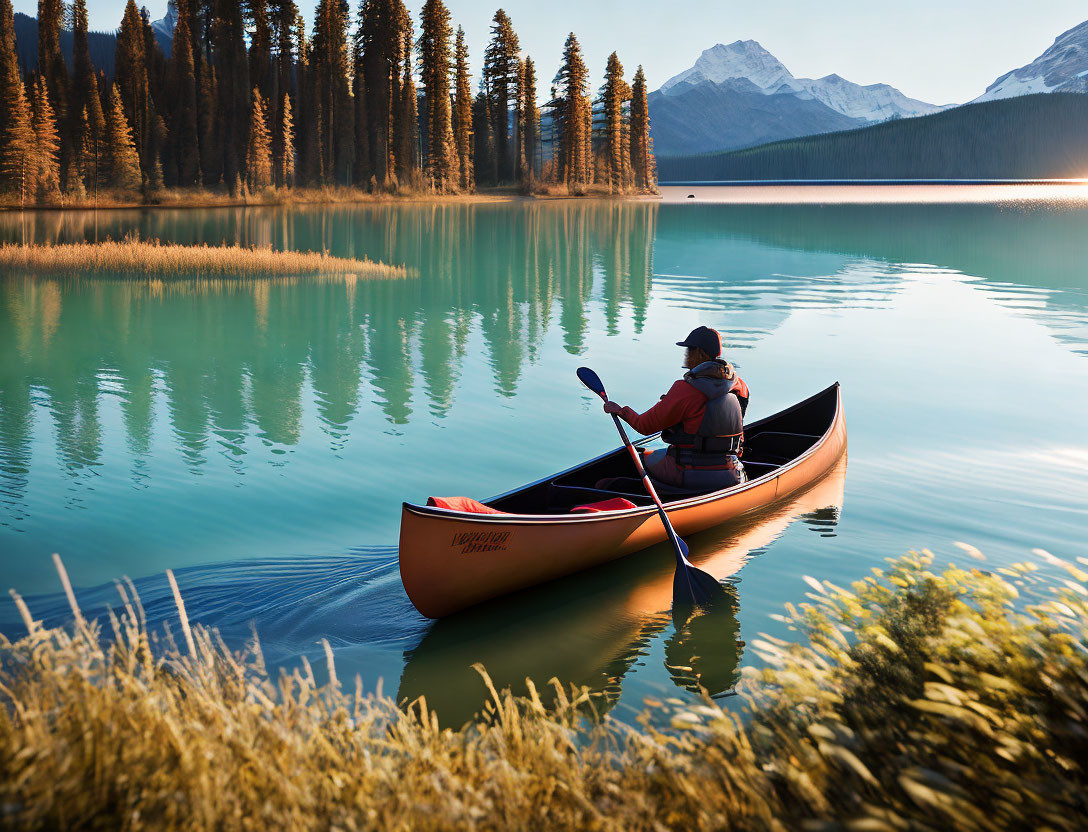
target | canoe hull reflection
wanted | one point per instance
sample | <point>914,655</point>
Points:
<point>451,560</point>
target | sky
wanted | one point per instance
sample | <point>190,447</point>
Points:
<point>939,51</point>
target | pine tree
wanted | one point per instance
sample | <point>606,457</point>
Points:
<point>156,144</point>
<point>184,132</point>
<point>94,142</point>
<point>47,144</point>
<point>436,65</point>
<point>50,62</point>
<point>500,73</point>
<point>462,114</point>
<point>344,100</point>
<point>384,24</point>
<point>20,155</point>
<point>483,141</point>
<point>211,160</point>
<point>641,155</point>
<point>362,170</point>
<point>614,95</point>
<point>531,129</point>
<point>232,89</point>
<point>156,67</point>
<point>285,170</point>
<point>130,74</point>
<point>406,126</point>
<point>82,82</point>
<point>260,46</point>
<point>259,151</point>
<point>330,74</point>
<point>284,13</point>
<point>571,111</point>
<point>519,124</point>
<point>310,158</point>
<point>9,62</point>
<point>122,160</point>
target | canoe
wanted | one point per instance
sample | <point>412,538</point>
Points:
<point>453,559</point>
<point>589,629</point>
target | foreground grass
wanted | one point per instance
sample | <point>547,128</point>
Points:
<point>132,256</point>
<point>920,701</point>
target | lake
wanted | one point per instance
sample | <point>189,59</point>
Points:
<point>258,437</point>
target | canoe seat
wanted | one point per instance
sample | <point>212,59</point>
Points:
<point>565,497</point>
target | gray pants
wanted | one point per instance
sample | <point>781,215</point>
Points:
<point>663,468</point>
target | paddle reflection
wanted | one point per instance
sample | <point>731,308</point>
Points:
<point>590,629</point>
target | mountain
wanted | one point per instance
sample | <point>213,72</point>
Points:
<point>164,27</point>
<point>1026,137</point>
<point>734,113</point>
<point>1062,68</point>
<point>727,76</point>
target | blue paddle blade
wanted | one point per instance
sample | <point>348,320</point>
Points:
<point>691,586</point>
<point>591,380</point>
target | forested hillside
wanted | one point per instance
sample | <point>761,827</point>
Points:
<point>249,100</point>
<point>1030,137</point>
<point>100,45</point>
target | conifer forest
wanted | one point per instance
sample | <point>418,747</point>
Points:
<point>249,99</point>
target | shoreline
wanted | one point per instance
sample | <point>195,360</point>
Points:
<point>875,193</point>
<point>316,197</point>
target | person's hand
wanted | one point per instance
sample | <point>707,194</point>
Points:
<point>611,408</point>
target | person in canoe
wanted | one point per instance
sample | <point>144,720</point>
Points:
<point>701,419</point>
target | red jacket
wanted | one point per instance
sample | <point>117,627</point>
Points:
<point>683,403</point>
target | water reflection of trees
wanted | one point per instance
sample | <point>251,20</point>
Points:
<point>242,364</point>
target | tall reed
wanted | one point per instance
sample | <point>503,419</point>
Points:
<point>920,701</point>
<point>133,256</point>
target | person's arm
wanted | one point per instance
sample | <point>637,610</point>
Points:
<point>741,391</point>
<point>672,409</point>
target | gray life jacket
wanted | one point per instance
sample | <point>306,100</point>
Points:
<point>721,431</point>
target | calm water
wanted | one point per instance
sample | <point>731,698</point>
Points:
<point>259,437</point>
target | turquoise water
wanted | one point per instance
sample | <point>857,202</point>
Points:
<point>258,437</point>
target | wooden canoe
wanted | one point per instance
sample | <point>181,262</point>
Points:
<point>451,560</point>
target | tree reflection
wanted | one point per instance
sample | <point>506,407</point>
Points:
<point>234,358</point>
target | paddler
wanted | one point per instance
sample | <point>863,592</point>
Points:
<point>701,419</point>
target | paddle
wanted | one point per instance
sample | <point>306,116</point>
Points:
<point>690,586</point>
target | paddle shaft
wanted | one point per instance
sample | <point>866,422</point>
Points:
<point>636,457</point>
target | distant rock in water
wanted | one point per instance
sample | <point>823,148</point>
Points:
<point>740,95</point>
<point>1061,68</point>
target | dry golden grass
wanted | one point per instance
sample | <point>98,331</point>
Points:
<point>922,701</point>
<point>131,256</point>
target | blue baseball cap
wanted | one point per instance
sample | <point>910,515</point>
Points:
<point>706,339</point>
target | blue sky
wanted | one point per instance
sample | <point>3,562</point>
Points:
<point>940,51</point>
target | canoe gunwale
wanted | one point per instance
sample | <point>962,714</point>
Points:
<point>605,516</point>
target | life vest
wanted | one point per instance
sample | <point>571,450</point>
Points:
<point>720,434</point>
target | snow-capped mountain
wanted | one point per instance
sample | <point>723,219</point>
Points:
<point>1061,68</point>
<point>164,27</point>
<point>740,59</point>
<point>747,59</point>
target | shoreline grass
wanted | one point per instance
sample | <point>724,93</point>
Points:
<point>132,256</point>
<point>331,195</point>
<point>921,701</point>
